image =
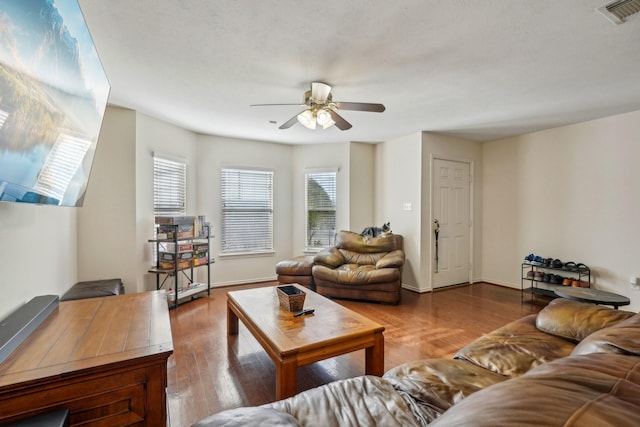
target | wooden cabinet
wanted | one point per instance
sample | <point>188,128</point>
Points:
<point>104,359</point>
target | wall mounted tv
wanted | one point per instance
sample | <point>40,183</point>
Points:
<point>53,95</point>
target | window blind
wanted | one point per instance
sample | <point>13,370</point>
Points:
<point>247,211</point>
<point>320,195</point>
<point>169,187</point>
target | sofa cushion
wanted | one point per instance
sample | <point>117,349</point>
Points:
<point>94,289</point>
<point>354,274</point>
<point>249,417</point>
<point>438,384</point>
<point>515,348</point>
<point>350,241</point>
<point>593,390</point>
<point>621,338</point>
<point>361,401</point>
<point>297,266</point>
<point>575,320</point>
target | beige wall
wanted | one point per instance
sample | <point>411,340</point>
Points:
<point>361,186</point>
<point>116,221</point>
<point>106,222</point>
<point>151,136</point>
<point>398,181</point>
<point>38,252</point>
<point>571,193</point>
<point>217,152</point>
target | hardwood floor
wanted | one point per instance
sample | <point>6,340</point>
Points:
<point>210,371</point>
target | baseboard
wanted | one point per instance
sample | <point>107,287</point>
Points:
<point>414,288</point>
<point>500,283</point>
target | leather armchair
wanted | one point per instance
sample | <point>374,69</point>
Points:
<point>363,268</point>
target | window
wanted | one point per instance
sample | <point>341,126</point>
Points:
<point>247,211</point>
<point>169,186</point>
<point>320,196</point>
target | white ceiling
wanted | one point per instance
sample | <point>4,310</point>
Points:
<point>477,69</point>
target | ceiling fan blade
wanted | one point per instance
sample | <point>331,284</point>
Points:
<point>292,121</point>
<point>341,123</point>
<point>320,91</point>
<point>360,106</point>
<point>271,105</point>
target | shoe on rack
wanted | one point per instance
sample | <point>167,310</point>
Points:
<point>555,279</point>
<point>571,266</point>
<point>538,275</point>
<point>581,267</point>
<point>556,263</point>
<point>567,281</point>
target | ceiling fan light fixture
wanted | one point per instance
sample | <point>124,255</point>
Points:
<point>307,119</point>
<point>323,118</point>
<point>328,124</point>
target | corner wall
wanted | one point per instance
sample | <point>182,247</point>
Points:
<point>398,180</point>
<point>570,193</point>
<point>106,222</point>
<point>361,186</point>
<point>152,135</point>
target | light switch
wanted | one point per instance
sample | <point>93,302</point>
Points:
<point>407,206</point>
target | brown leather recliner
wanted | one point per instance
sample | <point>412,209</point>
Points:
<point>363,268</point>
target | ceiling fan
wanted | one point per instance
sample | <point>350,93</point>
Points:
<point>322,109</point>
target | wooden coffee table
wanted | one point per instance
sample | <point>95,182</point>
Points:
<point>291,341</point>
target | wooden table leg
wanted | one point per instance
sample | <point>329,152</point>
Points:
<point>374,356</point>
<point>286,379</point>
<point>232,321</point>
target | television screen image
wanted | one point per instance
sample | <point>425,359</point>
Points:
<point>53,95</point>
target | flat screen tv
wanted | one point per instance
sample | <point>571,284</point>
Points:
<point>53,95</point>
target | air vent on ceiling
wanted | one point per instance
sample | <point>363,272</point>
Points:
<point>618,11</point>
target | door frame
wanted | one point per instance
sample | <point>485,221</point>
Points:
<point>472,180</point>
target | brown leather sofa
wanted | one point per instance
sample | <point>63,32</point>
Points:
<point>573,364</point>
<point>363,268</point>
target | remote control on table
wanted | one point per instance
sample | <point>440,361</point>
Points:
<point>300,313</point>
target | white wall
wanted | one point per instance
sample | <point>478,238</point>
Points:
<point>449,148</point>
<point>151,136</point>
<point>117,221</point>
<point>106,222</point>
<point>38,252</point>
<point>361,186</point>
<point>398,180</point>
<point>571,193</point>
<point>217,152</point>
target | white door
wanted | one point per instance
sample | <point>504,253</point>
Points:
<point>451,209</point>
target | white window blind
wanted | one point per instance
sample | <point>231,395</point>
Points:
<point>169,187</point>
<point>247,211</point>
<point>320,195</point>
